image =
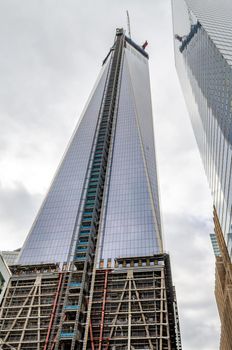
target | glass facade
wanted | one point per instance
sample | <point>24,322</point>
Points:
<point>130,223</point>
<point>10,257</point>
<point>4,277</point>
<point>131,226</point>
<point>51,235</point>
<point>203,55</point>
<point>215,245</point>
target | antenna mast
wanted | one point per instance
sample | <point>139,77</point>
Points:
<point>128,24</point>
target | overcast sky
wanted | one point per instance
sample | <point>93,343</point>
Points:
<point>51,53</point>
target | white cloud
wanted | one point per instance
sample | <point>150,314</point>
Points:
<point>51,52</point>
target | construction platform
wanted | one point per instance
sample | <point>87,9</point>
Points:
<point>27,309</point>
<point>131,305</point>
<point>134,306</point>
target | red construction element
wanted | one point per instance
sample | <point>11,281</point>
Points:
<point>53,311</point>
<point>103,309</point>
<point>91,335</point>
<point>145,45</point>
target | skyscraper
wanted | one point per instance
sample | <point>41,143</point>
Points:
<point>203,55</point>
<point>92,273</point>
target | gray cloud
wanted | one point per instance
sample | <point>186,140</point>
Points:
<point>17,207</point>
<point>193,272</point>
<point>51,52</point>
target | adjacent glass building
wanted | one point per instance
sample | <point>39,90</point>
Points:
<point>93,264</point>
<point>203,55</point>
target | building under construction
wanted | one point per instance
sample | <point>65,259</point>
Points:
<point>92,273</point>
<point>132,301</point>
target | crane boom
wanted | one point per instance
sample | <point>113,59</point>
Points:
<point>128,24</point>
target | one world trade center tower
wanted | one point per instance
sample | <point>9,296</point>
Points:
<point>92,273</point>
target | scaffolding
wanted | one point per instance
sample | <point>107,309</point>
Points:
<point>134,306</point>
<point>28,306</point>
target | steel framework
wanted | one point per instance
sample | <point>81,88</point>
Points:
<point>28,306</point>
<point>134,306</point>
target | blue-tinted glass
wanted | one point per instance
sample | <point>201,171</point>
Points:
<point>52,231</point>
<point>203,55</point>
<point>131,226</point>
